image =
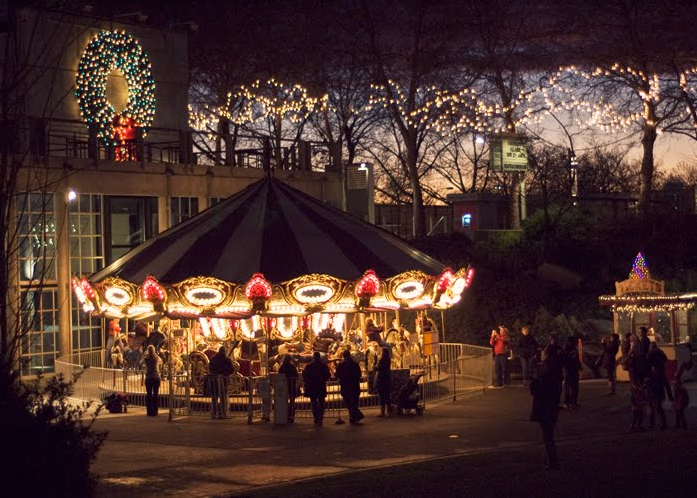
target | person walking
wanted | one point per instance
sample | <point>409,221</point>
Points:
<point>527,350</point>
<point>500,341</point>
<point>348,372</point>
<point>219,369</point>
<point>153,366</point>
<point>383,382</point>
<point>315,377</point>
<point>291,373</point>
<point>609,360</point>
<point>660,387</point>
<point>572,369</point>
<point>546,392</point>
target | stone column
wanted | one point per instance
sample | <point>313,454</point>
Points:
<point>63,341</point>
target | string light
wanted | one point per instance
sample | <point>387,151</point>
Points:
<point>639,268</point>
<point>107,52</point>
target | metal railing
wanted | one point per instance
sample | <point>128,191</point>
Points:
<point>457,370</point>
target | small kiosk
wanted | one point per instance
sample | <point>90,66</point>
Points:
<point>641,301</point>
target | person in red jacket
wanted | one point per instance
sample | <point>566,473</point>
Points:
<point>500,342</point>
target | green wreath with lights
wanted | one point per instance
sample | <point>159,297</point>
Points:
<point>107,52</point>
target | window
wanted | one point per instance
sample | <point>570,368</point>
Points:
<point>37,238</point>
<point>39,326</point>
<point>183,208</point>
<point>86,258</point>
<point>129,222</point>
<point>467,221</point>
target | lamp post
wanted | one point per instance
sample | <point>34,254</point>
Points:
<point>64,271</point>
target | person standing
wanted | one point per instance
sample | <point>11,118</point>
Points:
<point>220,369</point>
<point>113,333</point>
<point>656,360</point>
<point>373,332</point>
<point>527,350</point>
<point>153,365</point>
<point>315,377</point>
<point>609,360</point>
<point>291,373</point>
<point>383,382</point>
<point>348,372</point>
<point>500,341</point>
<point>572,369</point>
<point>546,391</point>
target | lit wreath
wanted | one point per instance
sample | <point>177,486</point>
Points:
<point>110,51</point>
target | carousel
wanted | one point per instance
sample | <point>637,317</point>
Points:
<point>641,301</point>
<point>272,271</point>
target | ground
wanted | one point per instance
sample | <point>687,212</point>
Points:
<point>481,446</point>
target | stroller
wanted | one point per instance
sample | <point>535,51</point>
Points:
<point>406,397</point>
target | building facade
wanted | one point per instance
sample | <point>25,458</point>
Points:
<point>88,190</point>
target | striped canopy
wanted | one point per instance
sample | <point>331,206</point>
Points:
<point>270,250</point>
<point>274,229</point>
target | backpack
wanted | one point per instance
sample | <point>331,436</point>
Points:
<point>116,403</point>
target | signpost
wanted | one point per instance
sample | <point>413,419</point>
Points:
<point>508,154</point>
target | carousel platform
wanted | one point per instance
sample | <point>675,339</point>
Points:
<point>194,400</point>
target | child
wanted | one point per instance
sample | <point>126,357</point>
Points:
<point>638,402</point>
<point>680,402</point>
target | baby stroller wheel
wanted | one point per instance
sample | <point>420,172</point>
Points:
<point>419,409</point>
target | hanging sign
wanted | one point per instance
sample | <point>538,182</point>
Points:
<point>508,154</point>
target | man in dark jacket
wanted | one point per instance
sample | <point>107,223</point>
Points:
<point>656,360</point>
<point>546,391</point>
<point>315,377</point>
<point>527,350</point>
<point>348,372</point>
<point>220,369</point>
<point>609,361</point>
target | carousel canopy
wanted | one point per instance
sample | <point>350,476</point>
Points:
<point>270,249</point>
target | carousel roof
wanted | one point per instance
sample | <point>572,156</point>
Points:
<point>274,229</point>
<point>270,249</point>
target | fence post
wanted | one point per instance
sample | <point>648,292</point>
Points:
<point>250,389</point>
<point>453,373</point>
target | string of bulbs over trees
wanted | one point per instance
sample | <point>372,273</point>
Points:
<point>614,100</point>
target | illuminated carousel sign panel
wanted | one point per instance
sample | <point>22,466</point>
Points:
<point>640,286</point>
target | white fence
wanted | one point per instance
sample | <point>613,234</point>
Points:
<point>458,369</point>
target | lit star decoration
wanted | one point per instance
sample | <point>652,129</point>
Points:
<point>639,268</point>
<point>111,51</point>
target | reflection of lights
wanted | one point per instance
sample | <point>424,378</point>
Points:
<point>230,309</point>
<point>113,311</point>
<point>420,302</point>
<point>313,293</point>
<point>409,290</point>
<point>383,303</point>
<point>283,308</point>
<point>79,293</point>
<point>139,310</point>
<point>183,310</point>
<point>204,296</point>
<point>287,326</point>
<point>117,296</point>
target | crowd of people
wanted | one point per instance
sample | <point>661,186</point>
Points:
<point>553,375</point>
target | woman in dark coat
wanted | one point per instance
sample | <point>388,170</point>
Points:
<point>383,382</point>
<point>609,362</point>
<point>348,372</point>
<point>291,372</point>
<point>546,391</point>
<point>657,359</point>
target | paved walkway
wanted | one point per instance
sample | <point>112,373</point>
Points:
<point>194,456</point>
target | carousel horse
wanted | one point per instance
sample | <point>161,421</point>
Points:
<point>199,369</point>
<point>116,357</point>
